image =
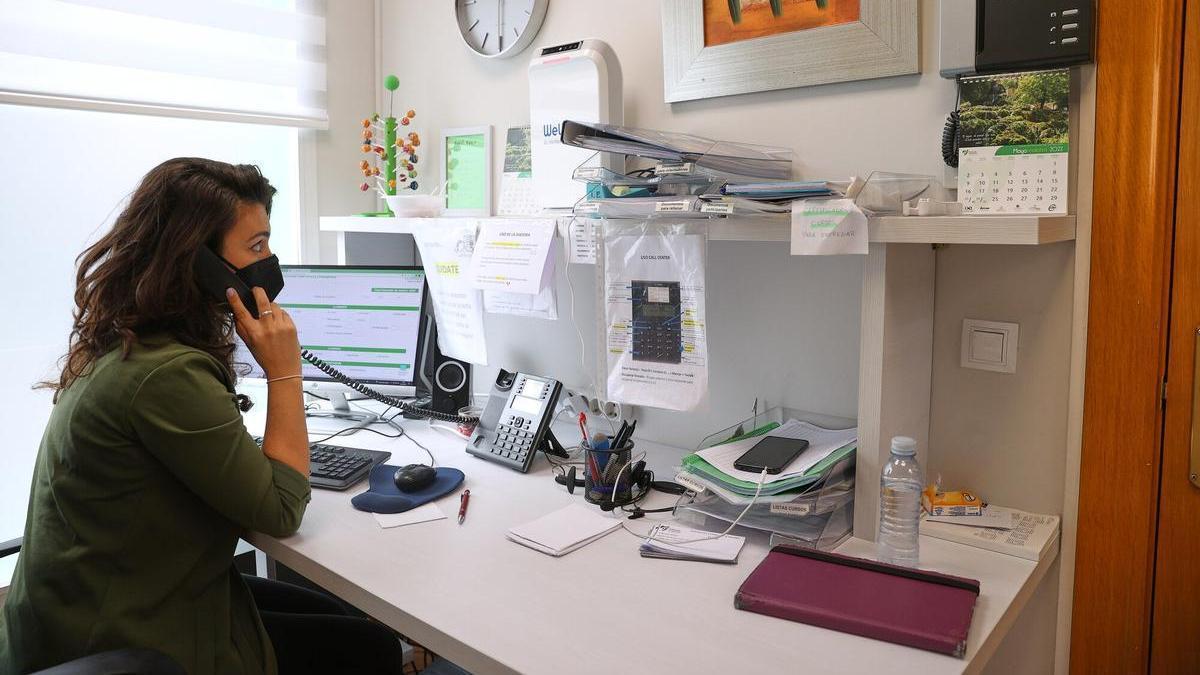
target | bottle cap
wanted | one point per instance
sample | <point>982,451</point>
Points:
<point>903,445</point>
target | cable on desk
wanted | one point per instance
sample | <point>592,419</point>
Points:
<point>361,388</point>
<point>757,491</point>
<point>352,430</point>
<point>401,434</point>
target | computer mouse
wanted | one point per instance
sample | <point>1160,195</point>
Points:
<point>413,477</point>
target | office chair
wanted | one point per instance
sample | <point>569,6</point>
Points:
<point>114,662</point>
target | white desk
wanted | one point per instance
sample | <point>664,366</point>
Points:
<point>490,605</point>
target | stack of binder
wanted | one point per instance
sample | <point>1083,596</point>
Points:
<point>678,149</point>
<point>811,502</point>
<point>681,175</point>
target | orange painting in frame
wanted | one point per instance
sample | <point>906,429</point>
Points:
<point>728,21</point>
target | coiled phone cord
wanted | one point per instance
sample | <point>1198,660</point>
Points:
<point>402,406</point>
<point>950,140</point>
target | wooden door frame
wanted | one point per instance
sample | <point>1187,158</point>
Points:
<point>1176,619</point>
<point>1138,62</point>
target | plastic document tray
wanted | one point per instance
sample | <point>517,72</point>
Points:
<point>682,150</point>
<point>605,183</point>
<point>820,517</point>
<point>776,416</point>
<point>641,207</point>
<point>823,532</point>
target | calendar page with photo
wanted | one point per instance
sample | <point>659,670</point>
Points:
<point>516,183</point>
<point>1013,133</point>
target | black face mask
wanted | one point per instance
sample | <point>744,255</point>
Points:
<point>214,274</point>
<point>265,274</point>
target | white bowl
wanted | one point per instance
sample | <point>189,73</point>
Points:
<point>414,206</point>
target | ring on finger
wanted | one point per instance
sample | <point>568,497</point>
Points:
<point>266,312</point>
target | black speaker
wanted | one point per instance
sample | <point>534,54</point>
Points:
<point>450,383</point>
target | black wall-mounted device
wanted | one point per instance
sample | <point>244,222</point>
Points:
<point>1005,36</point>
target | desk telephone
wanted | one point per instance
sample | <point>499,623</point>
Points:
<point>515,423</point>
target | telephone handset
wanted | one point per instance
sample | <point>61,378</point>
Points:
<point>214,276</point>
<point>515,423</point>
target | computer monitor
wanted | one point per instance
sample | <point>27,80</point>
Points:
<point>366,321</point>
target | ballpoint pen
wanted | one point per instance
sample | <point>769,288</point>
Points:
<point>583,429</point>
<point>462,506</point>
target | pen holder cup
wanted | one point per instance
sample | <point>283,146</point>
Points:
<point>600,480</point>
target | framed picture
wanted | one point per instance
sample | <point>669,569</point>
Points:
<point>467,171</point>
<point>723,47</point>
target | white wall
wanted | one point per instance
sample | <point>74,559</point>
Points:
<point>789,346</point>
<point>786,329</point>
<point>350,63</point>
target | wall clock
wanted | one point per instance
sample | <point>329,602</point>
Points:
<point>497,29</point>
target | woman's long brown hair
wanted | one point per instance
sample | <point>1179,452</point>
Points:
<point>138,279</point>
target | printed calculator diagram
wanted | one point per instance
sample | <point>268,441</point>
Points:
<point>657,321</point>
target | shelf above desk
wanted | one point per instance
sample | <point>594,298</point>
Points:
<point>1020,230</point>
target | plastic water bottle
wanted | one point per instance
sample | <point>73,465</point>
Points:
<point>900,504</point>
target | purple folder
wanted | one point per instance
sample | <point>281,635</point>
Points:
<point>876,600</point>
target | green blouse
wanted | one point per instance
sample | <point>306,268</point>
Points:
<point>145,480</point>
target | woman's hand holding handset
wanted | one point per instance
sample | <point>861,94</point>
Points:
<point>271,337</point>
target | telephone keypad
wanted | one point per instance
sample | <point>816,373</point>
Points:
<point>657,343</point>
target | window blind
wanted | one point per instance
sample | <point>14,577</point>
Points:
<point>238,60</point>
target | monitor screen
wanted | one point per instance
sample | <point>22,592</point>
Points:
<point>364,321</point>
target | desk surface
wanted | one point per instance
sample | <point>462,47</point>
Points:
<point>491,605</point>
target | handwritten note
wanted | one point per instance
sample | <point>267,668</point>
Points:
<point>828,227</point>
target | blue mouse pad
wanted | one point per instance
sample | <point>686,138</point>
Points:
<point>384,497</point>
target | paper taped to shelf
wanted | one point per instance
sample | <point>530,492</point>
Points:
<point>446,245</point>
<point>581,241</point>
<point>542,305</point>
<point>510,255</point>
<point>828,227</point>
<point>657,353</point>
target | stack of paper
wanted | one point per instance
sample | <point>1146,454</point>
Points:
<point>1028,535</point>
<point>564,530</point>
<point>714,468</point>
<point>731,205</point>
<point>422,514</point>
<point>781,190</point>
<point>682,543</point>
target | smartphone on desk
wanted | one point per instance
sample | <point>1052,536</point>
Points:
<point>772,453</point>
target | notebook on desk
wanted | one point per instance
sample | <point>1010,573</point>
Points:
<point>562,531</point>
<point>911,607</point>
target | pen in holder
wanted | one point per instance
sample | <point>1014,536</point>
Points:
<point>601,466</point>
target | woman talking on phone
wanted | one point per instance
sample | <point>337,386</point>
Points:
<point>146,476</point>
